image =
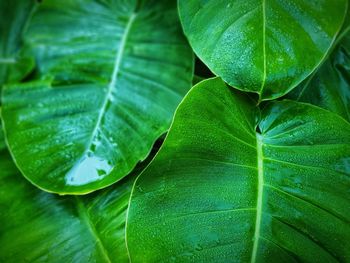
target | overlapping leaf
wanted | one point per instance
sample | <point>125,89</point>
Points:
<point>265,46</point>
<point>235,182</point>
<point>14,15</point>
<point>329,86</point>
<point>42,227</point>
<point>109,77</point>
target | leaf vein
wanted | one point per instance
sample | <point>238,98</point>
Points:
<point>83,214</point>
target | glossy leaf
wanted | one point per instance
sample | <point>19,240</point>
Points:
<point>42,227</point>
<point>111,75</point>
<point>243,184</point>
<point>329,86</point>
<point>266,46</point>
<point>14,15</point>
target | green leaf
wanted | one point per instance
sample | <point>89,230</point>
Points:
<point>266,47</point>
<point>14,15</point>
<point>111,76</point>
<point>42,227</point>
<point>329,86</point>
<point>243,184</point>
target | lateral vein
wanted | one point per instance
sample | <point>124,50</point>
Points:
<point>7,61</point>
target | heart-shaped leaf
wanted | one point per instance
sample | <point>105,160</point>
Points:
<point>329,86</point>
<point>236,183</point>
<point>42,227</point>
<point>112,75</point>
<point>265,46</point>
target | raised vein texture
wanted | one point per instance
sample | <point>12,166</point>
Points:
<point>259,206</point>
<point>218,191</point>
<point>229,37</point>
<point>90,225</point>
<point>97,106</point>
<point>114,76</point>
<point>264,46</point>
<point>42,227</point>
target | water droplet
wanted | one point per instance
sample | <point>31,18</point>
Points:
<point>299,185</point>
<point>90,168</point>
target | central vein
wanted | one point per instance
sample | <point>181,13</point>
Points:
<point>116,69</point>
<point>259,196</point>
<point>82,210</point>
<point>263,46</point>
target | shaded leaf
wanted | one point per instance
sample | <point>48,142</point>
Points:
<point>329,86</point>
<point>14,15</point>
<point>42,227</point>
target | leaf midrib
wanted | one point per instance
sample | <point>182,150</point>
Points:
<point>84,216</point>
<point>264,48</point>
<point>260,157</point>
<point>114,78</point>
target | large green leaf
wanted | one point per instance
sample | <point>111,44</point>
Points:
<point>14,16</point>
<point>329,86</point>
<point>265,46</point>
<point>42,227</point>
<point>233,183</point>
<point>112,75</point>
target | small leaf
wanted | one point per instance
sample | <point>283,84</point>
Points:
<point>232,181</point>
<point>110,76</point>
<point>266,47</point>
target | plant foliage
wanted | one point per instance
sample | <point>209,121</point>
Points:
<point>255,164</point>
<point>101,96</point>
